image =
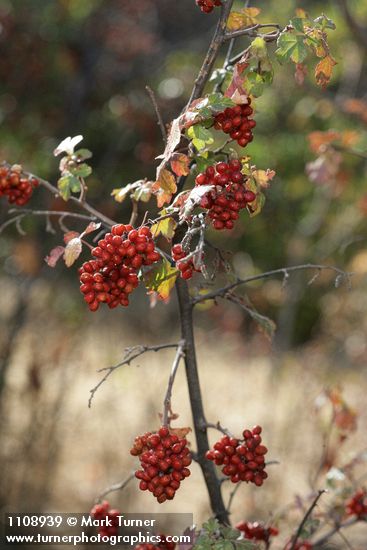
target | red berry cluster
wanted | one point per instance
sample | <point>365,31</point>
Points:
<point>113,275</point>
<point>357,504</point>
<point>243,460</point>
<point>257,531</point>
<point>186,267</point>
<point>164,458</point>
<point>162,545</point>
<point>207,6</point>
<point>16,187</point>
<point>229,195</point>
<point>235,121</point>
<point>102,512</point>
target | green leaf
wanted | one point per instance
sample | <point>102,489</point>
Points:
<point>200,136</point>
<point>325,23</point>
<point>254,84</point>
<point>82,154</point>
<point>211,526</point>
<point>223,545</point>
<point>291,46</point>
<point>68,184</point>
<point>81,170</point>
<point>218,102</point>
<point>297,23</point>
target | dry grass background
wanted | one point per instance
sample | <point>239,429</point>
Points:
<point>58,455</point>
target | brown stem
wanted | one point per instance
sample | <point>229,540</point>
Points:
<point>158,113</point>
<point>305,518</point>
<point>200,424</point>
<point>211,56</point>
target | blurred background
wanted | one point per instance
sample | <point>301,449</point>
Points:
<point>72,67</point>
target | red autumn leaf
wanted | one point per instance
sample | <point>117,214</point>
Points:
<point>55,254</point>
<point>180,164</point>
<point>92,226</point>
<point>70,235</point>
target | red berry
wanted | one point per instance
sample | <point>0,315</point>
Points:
<point>242,460</point>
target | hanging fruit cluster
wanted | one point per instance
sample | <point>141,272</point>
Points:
<point>357,504</point>
<point>256,531</point>
<point>229,194</point>
<point>207,6</point>
<point>185,266</point>
<point>242,460</point>
<point>113,275</point>
<point>236,122</point>
<point>164,459</point>
<point>104,512</point>
<point>15,186</point>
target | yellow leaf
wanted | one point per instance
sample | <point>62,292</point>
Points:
<point>244,18</point>
<point>324,70</point>
<point>161,279</point>
<point>164,227</point>
<point>121,193</point>
<point>263,177</point>
<point>167,181</point>
<point>164,187</point>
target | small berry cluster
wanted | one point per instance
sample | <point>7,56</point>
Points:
<point>16,187</point>
<point>164,458</point>
<point>186,267</point>
<point>235,121</point>
<point>102,512</point>
<point>113,275</point>
<point>357,504</point>
<point>162,545</point>
<point>229,195</point>
<point>243,460</point>
<point>207,6</point>
<point>257,531</point>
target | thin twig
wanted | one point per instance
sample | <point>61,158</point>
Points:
<point>167,399</point>
<point>305,518</point>
<point>219,427</point>
<point>158,113</point>
<point>130,354</point>
<point>212,53</point>
<point>251,31</point>
<point>221,292</point>
<point>134,212</point>
<point>81,203</point>
<point>115,487</point>
<point>231,497</point>
<point>337,527</point>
